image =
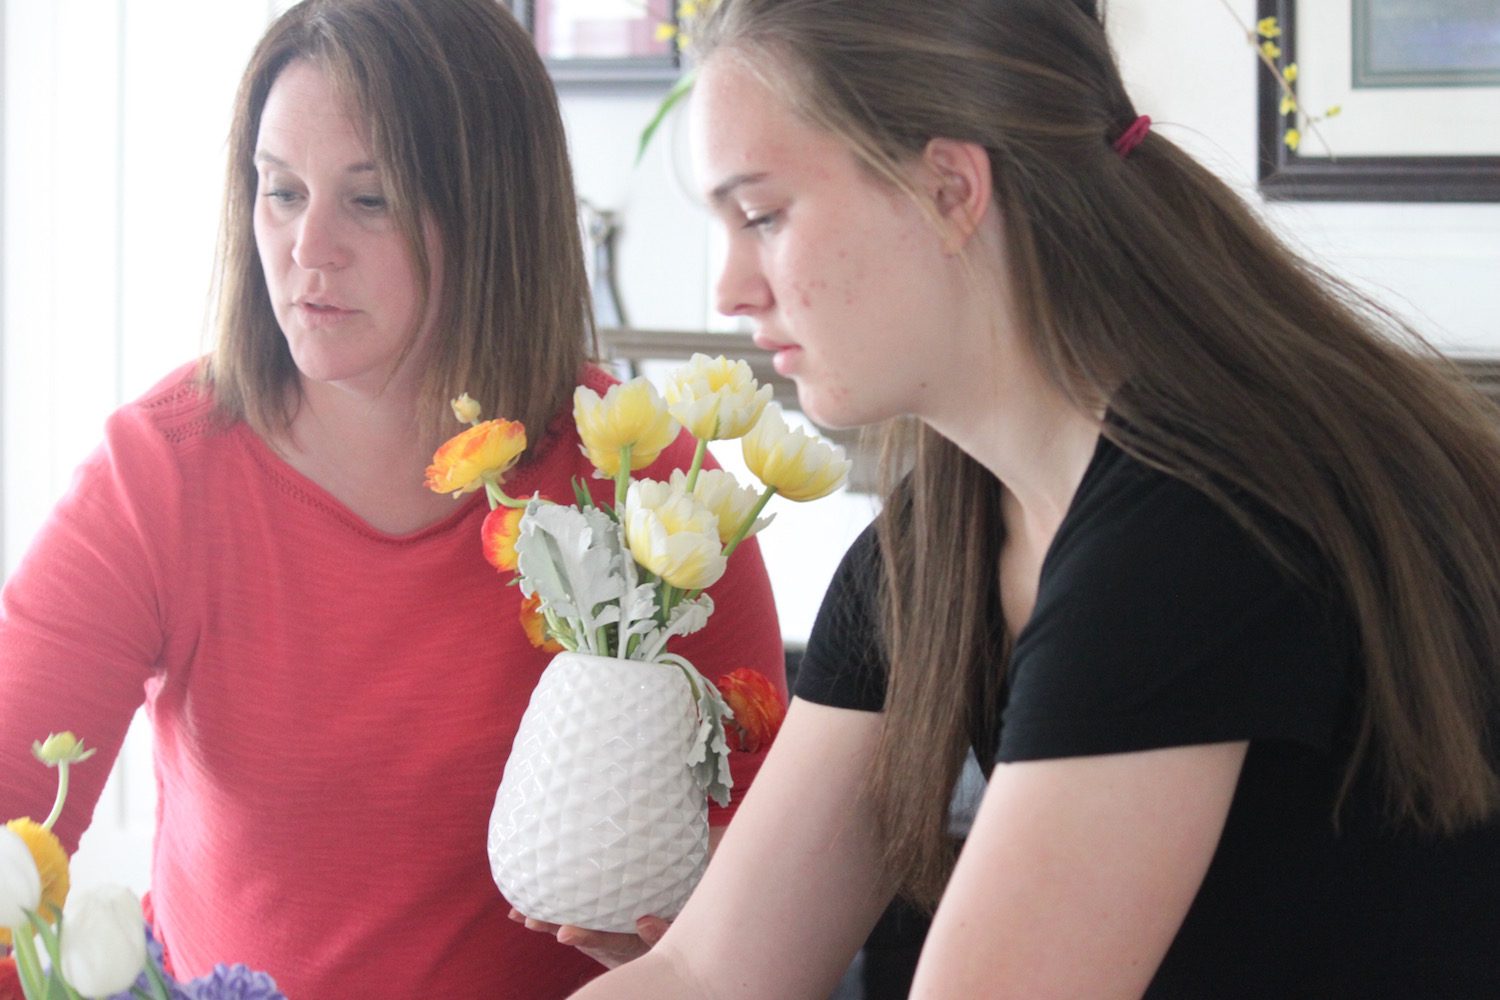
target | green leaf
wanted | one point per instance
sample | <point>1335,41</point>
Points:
<point>680,89</point>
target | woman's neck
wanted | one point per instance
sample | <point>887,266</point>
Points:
<point>369,452</point>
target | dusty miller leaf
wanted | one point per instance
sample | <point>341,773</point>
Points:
<point>708,756</point>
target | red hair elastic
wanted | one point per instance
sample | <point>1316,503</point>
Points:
<point>1132,136</point>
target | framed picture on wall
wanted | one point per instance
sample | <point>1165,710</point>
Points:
<point>604,41</point>
<point>1416,85</point>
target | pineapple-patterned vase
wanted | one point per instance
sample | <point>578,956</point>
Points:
<point>598,820</point>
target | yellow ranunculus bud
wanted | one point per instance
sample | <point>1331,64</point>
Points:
<point>630,414</point>
<point>798,465</point>
<point>714,398</point>
<point>466,409</point>
<point>721,493</point>
<point>1288,104</point>
<point>60,747</point>
<point>673,535</point>
<point>1270,50</point>
<point>1267,27</point>
<point>1289,73</point>
<point>484,452</point>
<point>1293,139</point>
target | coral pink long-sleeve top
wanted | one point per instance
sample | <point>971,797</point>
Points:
<point>332,706</point>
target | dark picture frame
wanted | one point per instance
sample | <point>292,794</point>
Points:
<point>624,50</point>
<point>1284,174</point>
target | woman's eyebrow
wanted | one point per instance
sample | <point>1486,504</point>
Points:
<point>261,156</point>
<point>725,189</point>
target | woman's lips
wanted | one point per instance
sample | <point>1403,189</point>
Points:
<point>785,359</point>
<point>320,315</point>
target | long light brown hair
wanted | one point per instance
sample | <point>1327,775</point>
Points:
<point>1145,284</point>
<point>463,122</point>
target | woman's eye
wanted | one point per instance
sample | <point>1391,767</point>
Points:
<point>761,220</point>
<point>371,202</point>
<point>281,196</point>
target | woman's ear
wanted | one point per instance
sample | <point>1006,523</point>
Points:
<point>959,181</point>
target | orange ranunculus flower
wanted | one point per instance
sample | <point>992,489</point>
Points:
<point>498,534</point>
<point>758,709</point>
<point>10,980</point>
<point>535,625</point>
<point>485,451</point>
<point>51,864</point>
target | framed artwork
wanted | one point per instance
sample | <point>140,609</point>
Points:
<point>604,41</point>
<point>1416,85</point>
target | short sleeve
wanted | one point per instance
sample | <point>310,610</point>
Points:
<point>1161,621</point>
<point>844,665</point>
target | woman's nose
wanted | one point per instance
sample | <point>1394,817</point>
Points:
<point>742,289</point>
<point>320,244</point>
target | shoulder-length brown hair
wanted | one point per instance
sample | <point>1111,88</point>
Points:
<point>463,121</point>
<point>1146,285</point>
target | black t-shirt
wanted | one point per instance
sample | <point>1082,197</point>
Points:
<point>1159,622</point>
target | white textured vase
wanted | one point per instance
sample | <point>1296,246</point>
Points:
<point>598,819</point>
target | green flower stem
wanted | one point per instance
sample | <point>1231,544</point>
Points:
<point>697,466</point>
<point>739,536</point>
<point>498,497</point>
<point>159,990</point>
<point>62,795</point>
<point>669,596</point>
<point>680,90</point>
<point>54,952</point>
<point>28,966</point>
<point>622,478</point>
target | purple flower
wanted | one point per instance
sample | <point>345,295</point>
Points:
<point>234,982</point>
<point>225,982</point>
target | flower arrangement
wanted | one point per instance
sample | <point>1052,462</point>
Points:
<point>94,942</point>
<point>620,580</point>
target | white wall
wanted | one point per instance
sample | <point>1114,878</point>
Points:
<point>115,115</point>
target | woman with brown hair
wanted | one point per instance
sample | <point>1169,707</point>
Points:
<point>1199,552</point>
<point>333,672</point>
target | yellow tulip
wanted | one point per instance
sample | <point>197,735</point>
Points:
<point>673,535</point>
<point>632,415</point>
<point>484,452</point>
<point>798,465</point>
<point>730,502</point>
<point>714,398</point>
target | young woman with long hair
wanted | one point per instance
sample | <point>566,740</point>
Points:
<point>1196,549</point>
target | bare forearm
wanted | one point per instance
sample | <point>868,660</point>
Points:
<point>653,976</point>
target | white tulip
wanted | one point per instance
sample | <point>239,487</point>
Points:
<point>673,535</point>
<point>800,466</point>
<point>721,493</point>
<point>20,882</point>
<point>715,398</point>
<point>103,941</point>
